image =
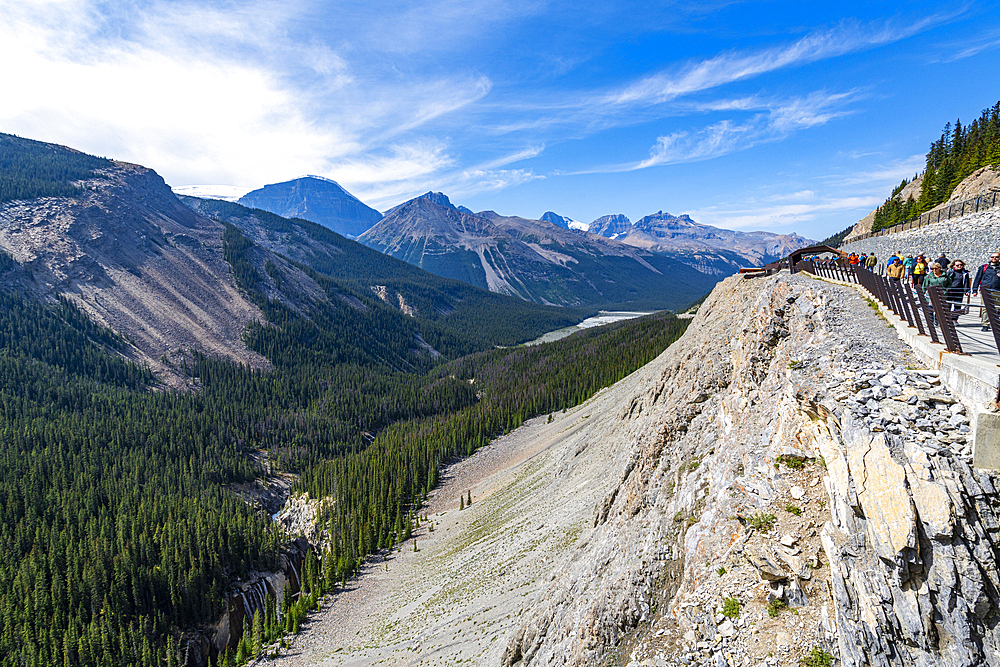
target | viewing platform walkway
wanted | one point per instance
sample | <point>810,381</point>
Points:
<point>967,358</point>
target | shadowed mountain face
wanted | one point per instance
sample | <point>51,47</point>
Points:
<point>124,249</point>
<point>610,226</point>
<point>706,245</point>
<point>563,221</point>
<point>534,260</point>
<point>318,200</point>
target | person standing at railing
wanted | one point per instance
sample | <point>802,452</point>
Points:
<point>959,284</point>
<point>871,262</point>
<point>895,270</point>
<point>935,278</point>
<point>987,278</point>
<point>908,268</point>
<point>919,270</point>
<point>943,261</point>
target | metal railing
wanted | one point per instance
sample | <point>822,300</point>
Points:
<point>956,210</point>
<point>926,310</point>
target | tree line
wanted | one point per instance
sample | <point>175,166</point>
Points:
<point>960,150</point>
<point>122,524</point>
<point>30,169</point>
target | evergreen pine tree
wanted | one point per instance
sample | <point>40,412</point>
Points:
<point>258,634</point>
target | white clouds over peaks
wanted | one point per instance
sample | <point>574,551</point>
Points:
<point>214,94</point>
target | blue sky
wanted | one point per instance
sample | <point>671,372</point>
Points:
<point>785,116</point>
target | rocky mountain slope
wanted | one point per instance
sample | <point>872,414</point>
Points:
<point>316,199</point>
<point>662,232</point>
<point>495,319</point>
<point>782,484</point>
<point>136,260</point>
<point>536,261</point>
<point>797,490</point>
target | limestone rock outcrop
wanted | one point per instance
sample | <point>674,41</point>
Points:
<point>791,485</point>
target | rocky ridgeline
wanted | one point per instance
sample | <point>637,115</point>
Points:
<point>971,238</point>
<point>807,495</point>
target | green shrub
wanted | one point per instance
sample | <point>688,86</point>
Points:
<point>762,521</point>
<point>816,658</point>
<point>731,607</point>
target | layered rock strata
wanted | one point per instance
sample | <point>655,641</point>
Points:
<point>806,492</point>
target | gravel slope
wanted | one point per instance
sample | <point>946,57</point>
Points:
<point>456,599</point>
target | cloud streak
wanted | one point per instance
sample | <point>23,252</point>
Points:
<point>737,66</point>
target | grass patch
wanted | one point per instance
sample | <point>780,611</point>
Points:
<point>721,571</point>
<point>762,521</point>
<point>775,608</point>
<point>731,607</point>
<point>816,658</point>
<point>792,509</point>
<point>793,462</point>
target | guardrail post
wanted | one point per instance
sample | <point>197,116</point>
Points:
<point>897,288</point>
<point>943,312</point>
<point>928,314</point>
<point>908,297</point>
<point>992,314</point>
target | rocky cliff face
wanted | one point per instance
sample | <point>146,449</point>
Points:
<point>791,485</point>
<point>136,260</point>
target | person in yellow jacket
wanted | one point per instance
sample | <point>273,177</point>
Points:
<point>919,270</point>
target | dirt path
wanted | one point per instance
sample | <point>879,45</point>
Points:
<point>454,600</point>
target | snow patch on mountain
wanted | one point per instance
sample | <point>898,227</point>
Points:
<point>224,192</point>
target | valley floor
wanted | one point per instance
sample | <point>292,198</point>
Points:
<point>456,598</point>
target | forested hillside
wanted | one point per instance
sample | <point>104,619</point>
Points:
<point>491,319</point>
<point>119,529</point>
<point>961,150</point>
<point>30,169</point>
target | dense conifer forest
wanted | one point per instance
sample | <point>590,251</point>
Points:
<point>120,526</point>
<point>121,519</point>
<point>30,169</point>
<point>961,150</point>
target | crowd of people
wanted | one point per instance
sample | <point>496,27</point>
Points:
<point>951,275</point>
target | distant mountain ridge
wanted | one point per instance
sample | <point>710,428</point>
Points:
<point>535,260</point>
<point>316,199</point>
<point>563,221</point>
<point>662,232</point>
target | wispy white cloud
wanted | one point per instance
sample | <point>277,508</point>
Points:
<point>883,174</point>
<point>736,66</point>
<point>757,216</point>
<point>779,120</point>
<point>208,94</point>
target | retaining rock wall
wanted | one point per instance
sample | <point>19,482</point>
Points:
<point>970,238</point>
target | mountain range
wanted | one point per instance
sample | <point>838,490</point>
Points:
<point>170,279</point>
<point>711,250</point>
<point>531,259</point>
